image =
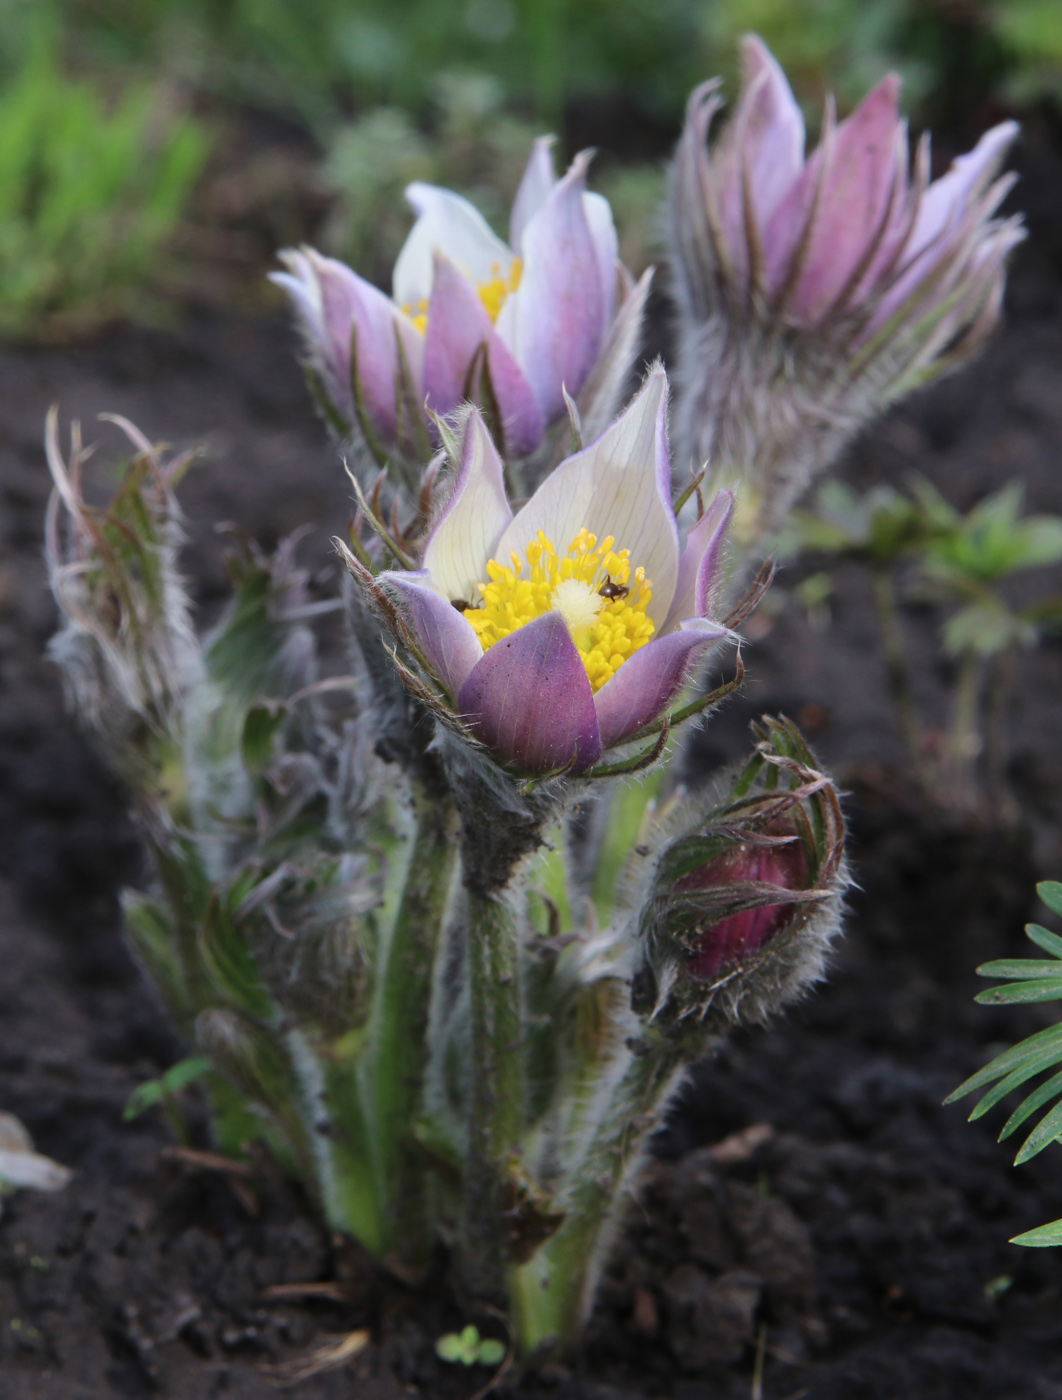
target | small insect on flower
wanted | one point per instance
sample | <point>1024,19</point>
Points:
<point>613,591</point>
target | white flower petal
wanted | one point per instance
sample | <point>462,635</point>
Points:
<point>466,534</point>
<point>538,179</point>
<point>447,224</point>
<point>606,245</point>
<point>621,486</point>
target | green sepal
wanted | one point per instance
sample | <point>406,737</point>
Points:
<point>230,964</point>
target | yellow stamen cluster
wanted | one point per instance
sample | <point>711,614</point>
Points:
<point>492,294</point>
<point>606,630</point>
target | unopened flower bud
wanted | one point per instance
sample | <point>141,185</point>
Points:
<point>743,904</point>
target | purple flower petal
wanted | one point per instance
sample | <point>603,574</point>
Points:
<point>447,640</point>
<point>529,700</point>
<point>857,184</point>
<point>450,225</point>
<point>334,303</point>
<point>701,563</point>
<point>764,145</point>
<point>538,180</point>
<point>458,325</point>
<point>941,218</point>
<point>557,321</point>
<point>465,535</point>
<point>646,683</point>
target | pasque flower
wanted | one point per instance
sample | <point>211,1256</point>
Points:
<point>813,291</point>
<point>532,315</point>
<point>566,628</point>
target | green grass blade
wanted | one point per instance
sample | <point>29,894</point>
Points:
<point>1044,1133</point>
<point>1041,1237</point>
<point>1045,1045</point>
<point>1046,1092</point>
<point>1049,942</point>
<point>1040,989</point>
<point>1020,969</point>
<point>1050,891</point>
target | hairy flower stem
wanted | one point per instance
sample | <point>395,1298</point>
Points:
<point>552,1294</point>
<point>392,1073</point>
<point>896,661</point>
<point>496,1088</point>
<point>963,742</point>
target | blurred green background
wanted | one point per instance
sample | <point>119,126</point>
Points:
<point>156,150</point>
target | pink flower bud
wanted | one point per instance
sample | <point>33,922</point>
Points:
<point>738,936</point>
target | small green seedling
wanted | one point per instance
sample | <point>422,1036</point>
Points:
<point>469,1349</point>
<point>164,1091</point>
<point>1027,980</point>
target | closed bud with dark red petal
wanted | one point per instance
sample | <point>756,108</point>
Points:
<point>744,903</point>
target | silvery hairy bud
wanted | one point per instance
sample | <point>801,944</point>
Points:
<point>812,292</point>
<point>743,905</point>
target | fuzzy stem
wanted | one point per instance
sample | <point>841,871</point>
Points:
<point>1001,679</point>
<point>552,1295</point>
<point>963,742</point>
<point>392,1075</point>
<point>496,1090</point>
<point>896,661</point>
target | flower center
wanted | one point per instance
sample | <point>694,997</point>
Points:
<point>492,293</point>
<point>592,588</point>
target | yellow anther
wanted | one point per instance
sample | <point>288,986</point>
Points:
<point>606,629</point>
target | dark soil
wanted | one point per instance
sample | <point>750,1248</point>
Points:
<point>812,1201</point>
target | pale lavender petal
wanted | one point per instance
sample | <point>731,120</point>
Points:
<point>946,200</point>
<point>942,215</point>
<point>772,130</point>
<point>537,182</point>
<point>451,225</point>
<point>700,570</point>
<point>458,325</point>
<point>557,322</point>
<point>446,638</point>
<point>763,145</point>
<point>606,245</point>
<point>621,486</point>
<point>467,532</point>
<point>336,303</point>
<point>529,700</point>
<point>854,200</point>
<point>646,683</point>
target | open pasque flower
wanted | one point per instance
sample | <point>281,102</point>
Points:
<point>813,291</point>
<point>471,316</point>
<point>566,628</point>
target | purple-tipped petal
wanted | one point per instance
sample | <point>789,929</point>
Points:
<point>447,640</point>
<point>529,700</point>
<point>942,216</point>
<point>621,486</point>
<point>538,180</point>
<point>646,683</point>
<point>458,325</point>
<point>854,200</point>
<point>557,322</point>
<point>700,571</point>
<point>466,533</point>
<point>763,147</point>
<point>335,303</point>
